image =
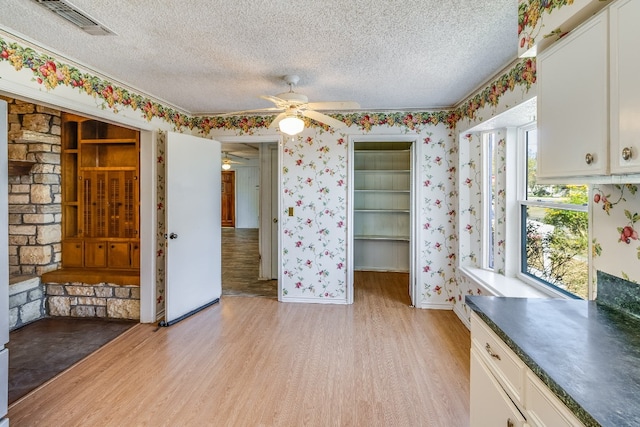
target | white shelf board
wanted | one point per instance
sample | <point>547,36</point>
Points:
<point>398,238</point>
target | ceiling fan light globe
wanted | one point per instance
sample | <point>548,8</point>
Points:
<point>226,166</point>
<point>291,125</point>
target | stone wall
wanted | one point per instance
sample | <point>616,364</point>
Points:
<point>104,300</point>
<point>26,301</point>
<point>34,199</point>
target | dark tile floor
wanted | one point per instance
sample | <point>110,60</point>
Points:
<point>41,350</point>
<point>241,264</point>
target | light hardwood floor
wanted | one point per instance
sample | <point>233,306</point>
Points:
<point>258,362</point>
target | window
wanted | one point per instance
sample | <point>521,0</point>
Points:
<point>489,207</point>
<point>554,229</point>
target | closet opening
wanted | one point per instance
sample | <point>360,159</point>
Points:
<point>382,212</point>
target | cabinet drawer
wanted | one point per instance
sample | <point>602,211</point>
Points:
<point>95,254</point>
<point>507,367</point>
<point>135,254</point>
<point>544,408</point>
<point>72,253</point>
<point>490,405</point>
<point>119,255</point>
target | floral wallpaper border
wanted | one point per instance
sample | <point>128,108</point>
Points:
<point>530,12</point>
<point>52,73</point>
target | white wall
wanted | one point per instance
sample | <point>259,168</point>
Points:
<point>247,196</point>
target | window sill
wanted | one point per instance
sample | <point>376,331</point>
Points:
<point>498,285</point>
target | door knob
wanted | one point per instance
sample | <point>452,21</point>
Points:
<point>275,220</point>
<point>173,236</point>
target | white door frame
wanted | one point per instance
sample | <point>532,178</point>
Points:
<point>265,219</point>
<point>414,249</point>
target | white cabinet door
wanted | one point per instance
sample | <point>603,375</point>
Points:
<point>490,405</point>
<point>573,107</point>
<point>625,87</point>
<point>543,408</point>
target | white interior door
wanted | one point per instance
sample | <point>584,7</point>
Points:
<point>269,211</point>
<point>193,196</point>
<point>273,149</point>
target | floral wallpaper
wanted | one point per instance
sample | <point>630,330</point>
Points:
<point>530,12</point>
<point>314,182</point>
<point>544,21</point>
<point>500,202</point>
<point>438,214</point>
<point>470,199</point>
<point>52,73</point>
<point>315,173</point>
<point>615,216</point>
<point>161,146</point>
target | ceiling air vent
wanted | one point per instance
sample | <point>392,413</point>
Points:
<point>78,18</point>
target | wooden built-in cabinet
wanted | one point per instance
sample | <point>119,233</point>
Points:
<point>100,194</point>
<point>382,206</point>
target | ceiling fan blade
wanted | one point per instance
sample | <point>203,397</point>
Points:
<point>273,99</point>
<point>334,105</point>
<point>323,118</point>
<point>259,110</point>
<point>275,121</point>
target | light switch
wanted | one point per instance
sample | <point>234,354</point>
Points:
<point>290,211</point>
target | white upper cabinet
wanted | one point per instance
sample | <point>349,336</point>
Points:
<point>589,101</point>
<point>573,104</point>
<point>625,87</point>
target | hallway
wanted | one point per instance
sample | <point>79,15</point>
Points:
<point>241,264</point>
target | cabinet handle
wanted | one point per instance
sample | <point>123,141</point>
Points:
<point>113,246</point>
<point>626,153</point>
<point>588,158</point>
<point>491,353</point>
<point>510,423</point>
<point>100,247</point>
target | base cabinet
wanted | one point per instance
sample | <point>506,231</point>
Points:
<point>490,405</point>
<point>496,396</point>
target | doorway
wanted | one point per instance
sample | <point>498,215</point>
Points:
<point>228,198</point>
<point>382,209</point>
<point>249,247</point>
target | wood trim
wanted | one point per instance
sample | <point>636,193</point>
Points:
<point>228,198</point>
<point>93,276</point>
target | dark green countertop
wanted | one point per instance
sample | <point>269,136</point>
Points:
<point>588,354</point>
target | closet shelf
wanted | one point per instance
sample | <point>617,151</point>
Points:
<point>382,210</point>
<point>381,191</point>
<point>382,171</point>
<point>378,237</point>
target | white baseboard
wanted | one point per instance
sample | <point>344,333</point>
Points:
<point>314,300</point>
<point>436,306</point>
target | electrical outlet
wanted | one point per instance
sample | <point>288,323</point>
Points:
<point>290,211</point>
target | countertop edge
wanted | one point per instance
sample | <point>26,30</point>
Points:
<point>580,413</point>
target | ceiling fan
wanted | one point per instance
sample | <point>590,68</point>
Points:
<point>293,105</point>
<point>227,162</point>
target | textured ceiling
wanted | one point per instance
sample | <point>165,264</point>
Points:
<point>210,56</point>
